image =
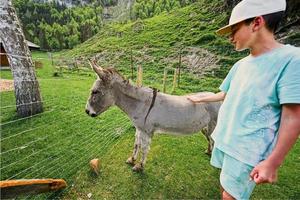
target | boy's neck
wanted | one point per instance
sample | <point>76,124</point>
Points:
<point>263,44</point>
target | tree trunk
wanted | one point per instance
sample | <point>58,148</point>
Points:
<point>28,99</point>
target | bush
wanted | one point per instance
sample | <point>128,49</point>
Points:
<point>206,38</point>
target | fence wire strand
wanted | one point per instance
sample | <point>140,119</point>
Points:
<point>74,144</point>
<point>72,159</point>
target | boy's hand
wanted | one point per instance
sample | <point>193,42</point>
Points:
<point>194,99</point>
<point>264,172</point>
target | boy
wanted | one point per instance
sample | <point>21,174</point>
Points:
<point>259,120</point>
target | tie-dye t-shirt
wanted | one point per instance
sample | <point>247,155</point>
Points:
<point>249,117</point>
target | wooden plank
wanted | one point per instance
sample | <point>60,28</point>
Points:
<point>14,188</point>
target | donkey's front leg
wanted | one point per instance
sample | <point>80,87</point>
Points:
<point>145,144</point>
<point>137,144</point>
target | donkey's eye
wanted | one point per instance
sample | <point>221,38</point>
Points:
<point>95,92</point>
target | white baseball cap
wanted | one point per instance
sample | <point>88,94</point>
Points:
<point>247,9</point>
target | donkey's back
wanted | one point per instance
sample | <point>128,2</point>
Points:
<point>178,115</point>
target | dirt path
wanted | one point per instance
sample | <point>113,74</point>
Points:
<point>6,85</point>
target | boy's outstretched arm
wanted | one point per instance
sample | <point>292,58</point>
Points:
<point>289,130</point>
<point>210,98</point>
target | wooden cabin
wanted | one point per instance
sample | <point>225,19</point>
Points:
<point>3,59</point>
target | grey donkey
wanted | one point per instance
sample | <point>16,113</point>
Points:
<point>150,111</point>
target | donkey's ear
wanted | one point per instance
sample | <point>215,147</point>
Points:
<point>96,68</point>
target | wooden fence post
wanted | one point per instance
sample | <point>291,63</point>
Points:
<point>179,68</point>
<point>131,61</point>
<point>51,58</point>
<point>174,79</point>
<point>165,80</point>
<point>139,80</point>
<point>75,65</point>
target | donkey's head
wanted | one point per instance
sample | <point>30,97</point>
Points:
<point>101,97</point>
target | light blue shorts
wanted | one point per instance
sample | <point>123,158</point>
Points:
<point>234,176</point>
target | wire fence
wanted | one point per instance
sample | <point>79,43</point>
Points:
<point>196,60</point>
<point>60,141</point>
<point>46,146</point>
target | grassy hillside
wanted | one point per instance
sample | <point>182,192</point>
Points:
<point>155,40</point>
<point>162,37</point>
<point>191,26</point>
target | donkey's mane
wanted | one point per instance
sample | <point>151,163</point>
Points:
<point>130,89</point>
<point>134,89</point>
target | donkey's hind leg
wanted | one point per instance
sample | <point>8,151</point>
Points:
<point>210,143</point>
<point>137,145</point>
<point>210,129</point>
<point>206,134</point>
<point>145,144</point>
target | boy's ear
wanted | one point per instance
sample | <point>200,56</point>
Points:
<point>258,23</point>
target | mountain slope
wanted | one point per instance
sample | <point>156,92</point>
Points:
<point>161,37</point>
<point>159,40</point>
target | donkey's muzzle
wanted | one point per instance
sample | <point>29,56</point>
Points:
<point>90,114</point>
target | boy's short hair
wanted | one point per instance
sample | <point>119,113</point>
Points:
<point>272,20</point>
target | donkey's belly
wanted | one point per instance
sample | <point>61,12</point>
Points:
<point>180,120</point>
<point>180,128</point>
<point>177,132</point>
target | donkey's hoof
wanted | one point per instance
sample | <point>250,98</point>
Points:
<point>138,168</point>
<point>130,161</point>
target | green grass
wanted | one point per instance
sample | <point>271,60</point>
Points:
<point>56,143</point>
<point>60,142</point>
<point>177,167</point>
